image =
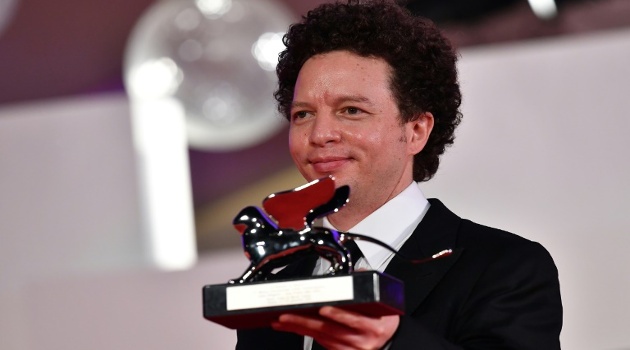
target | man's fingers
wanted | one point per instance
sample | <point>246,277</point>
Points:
<point>341,329</point>
<point>329,334</point>
<point>313,327</point>
<point>349,318</point>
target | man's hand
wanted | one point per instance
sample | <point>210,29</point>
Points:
<point>341,329</point>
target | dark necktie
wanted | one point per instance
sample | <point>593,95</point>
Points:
<point>355,255</point>
<point>355,251</point>
<point>316,346</point>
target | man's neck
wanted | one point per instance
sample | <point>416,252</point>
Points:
<point>355,211</point>
<point>392,224</point>
<point>344,220</point>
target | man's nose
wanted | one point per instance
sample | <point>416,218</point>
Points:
<point>325,130</point>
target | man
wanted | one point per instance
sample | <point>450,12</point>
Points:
<point>372,98</point>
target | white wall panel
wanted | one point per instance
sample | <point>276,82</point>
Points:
<point>543,152</point>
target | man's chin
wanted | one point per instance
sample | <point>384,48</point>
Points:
<point>339,179</point>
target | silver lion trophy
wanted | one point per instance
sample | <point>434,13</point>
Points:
<point>284,233</point>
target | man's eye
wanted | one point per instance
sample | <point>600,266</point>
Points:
<point>300,115</point>
<point>353,110</point>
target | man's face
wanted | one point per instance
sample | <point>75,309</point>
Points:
<point>345,122</point>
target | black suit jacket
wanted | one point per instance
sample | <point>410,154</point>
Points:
<point>496,291</point>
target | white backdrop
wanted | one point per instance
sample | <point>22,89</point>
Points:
<point>542,152</point>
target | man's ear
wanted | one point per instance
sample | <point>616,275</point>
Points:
<point>418,132</point>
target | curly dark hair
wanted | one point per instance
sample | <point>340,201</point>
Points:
<point>424,74</point>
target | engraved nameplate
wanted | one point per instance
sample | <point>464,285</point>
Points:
<point>319,290</point>
<point>258,304</point>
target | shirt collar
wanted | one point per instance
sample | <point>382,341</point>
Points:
<point>392,223</point>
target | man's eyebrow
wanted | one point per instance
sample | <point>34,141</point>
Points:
<point>352,98</point>
<point>337,100</point>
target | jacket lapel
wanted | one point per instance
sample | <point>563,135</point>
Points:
<point>436,232</point>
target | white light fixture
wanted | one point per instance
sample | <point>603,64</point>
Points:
<point>159,133</point>
<point>154,79</point>
<point>198,73</point>
<point>266,50</point>
<point>214,8</point>
<point>217,58</point>
<point>544,9</point>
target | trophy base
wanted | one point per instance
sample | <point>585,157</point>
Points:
<point>258,304</point>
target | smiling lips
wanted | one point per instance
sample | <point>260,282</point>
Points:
<point>328,165</point>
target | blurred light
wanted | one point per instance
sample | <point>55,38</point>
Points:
<point>160,140</point>
<point>155,78</point>
<point>190,50</point>
<point>217,51</point>
<point>216,57</point>
<point>214,8</point>
<point>187,20</point>
<point>236,13</point>
<point>217,109</point>
<point>266,50</point>
<point>545,9</point>
<point>193,81</point>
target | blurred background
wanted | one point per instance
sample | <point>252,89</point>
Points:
<point>131,133</point>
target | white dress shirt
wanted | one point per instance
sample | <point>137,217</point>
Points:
<point>393,223</point>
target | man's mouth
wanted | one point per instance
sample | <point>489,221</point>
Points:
<point>328,165</point>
